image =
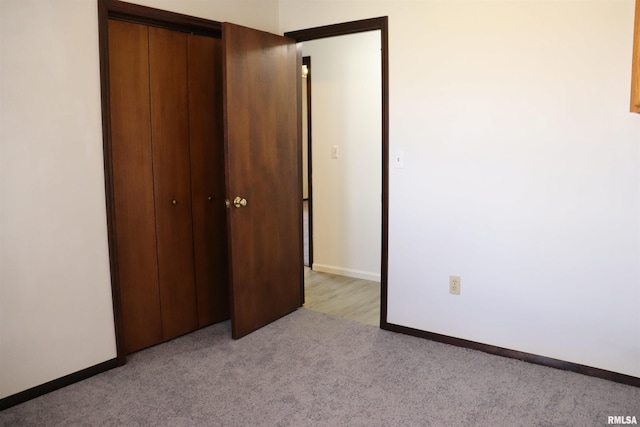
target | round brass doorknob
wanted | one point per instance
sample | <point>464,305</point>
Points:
<point>239,202</point>
<point>174,202</point>
<point>209,198</point>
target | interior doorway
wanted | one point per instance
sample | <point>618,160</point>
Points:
<point>336,152</point>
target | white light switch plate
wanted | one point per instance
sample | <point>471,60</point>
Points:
<point>399,160</point>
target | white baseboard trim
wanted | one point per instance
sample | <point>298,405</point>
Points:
<point>357,274</point>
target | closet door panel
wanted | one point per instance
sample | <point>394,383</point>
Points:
<point>207,178</point>
<point>133,185</point>
<point>171,170</point>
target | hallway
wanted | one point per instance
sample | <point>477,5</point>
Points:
<point>341,296</point>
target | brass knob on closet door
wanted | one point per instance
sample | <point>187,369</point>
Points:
<point>174,202</point>
<point>210,198</point>
<point>239,202</point>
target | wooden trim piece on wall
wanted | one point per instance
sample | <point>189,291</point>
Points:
<point>56,384</point>
<point>306,60</point>
<point>103,38</point>
<point>299,83</point>
<point>635,65</point>
<point>514,354</point>
<point>373,24</point>
<point>341,29</point>
<point>114,9</point>
<point>161,18</point>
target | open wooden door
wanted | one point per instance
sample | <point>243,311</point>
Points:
<point>263,174</point>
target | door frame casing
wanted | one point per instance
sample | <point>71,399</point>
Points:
<point>306,60</point>
<point>353,27</point>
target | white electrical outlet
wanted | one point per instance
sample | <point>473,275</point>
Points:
<point>335,153</point>
<point>454,285</point>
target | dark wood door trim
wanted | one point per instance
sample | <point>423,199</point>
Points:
<point>373,24</point>
<point>519,355</point>
<point>130,12</point>
<point>306,60</point>
<point>113,9</point>
<point>341,29</point>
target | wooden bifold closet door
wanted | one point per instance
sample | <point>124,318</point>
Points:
<point>172,180</point>
<point>166,122</point>
<point>207,178</point>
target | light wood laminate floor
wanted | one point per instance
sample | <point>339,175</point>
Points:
<point>341,296</point>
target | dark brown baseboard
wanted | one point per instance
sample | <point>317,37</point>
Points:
<point>56,384</point>
<point>513,354</point>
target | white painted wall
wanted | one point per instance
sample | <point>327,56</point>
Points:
<point>521,172</point>
<point>55,292</point>
<point>346,109</point>
<point>521,160</point>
